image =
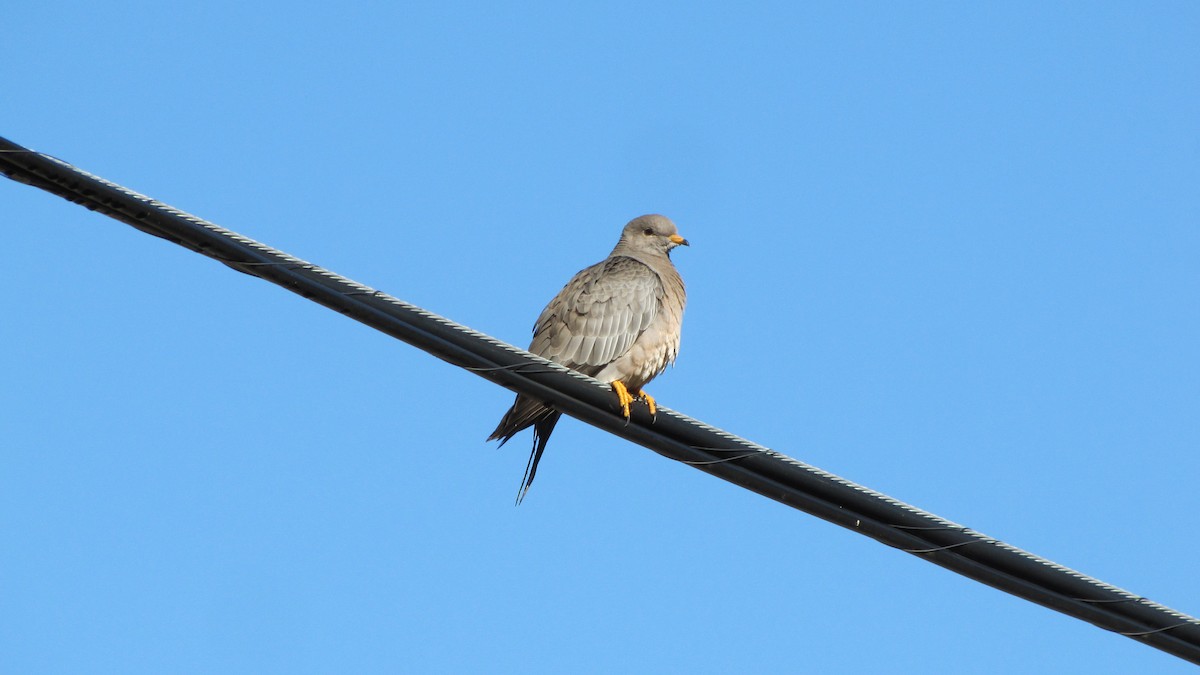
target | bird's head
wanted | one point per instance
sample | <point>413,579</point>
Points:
<point>652,234</point>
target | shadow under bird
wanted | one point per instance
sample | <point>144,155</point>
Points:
<point>617,321</point>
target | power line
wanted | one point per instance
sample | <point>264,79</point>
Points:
<point>670,434</point>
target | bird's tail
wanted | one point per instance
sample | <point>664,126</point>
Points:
<point>525,413</point>
<point>541,434</point>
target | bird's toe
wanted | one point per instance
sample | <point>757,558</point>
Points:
<point>623,397</point>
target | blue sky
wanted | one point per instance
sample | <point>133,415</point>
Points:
<point>946,251</point>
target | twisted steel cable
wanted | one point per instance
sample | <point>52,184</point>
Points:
<point>671,434</point>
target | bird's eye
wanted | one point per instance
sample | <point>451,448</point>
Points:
<point>647,231</point>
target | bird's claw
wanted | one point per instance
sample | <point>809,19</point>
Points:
<point>649,403</point>
<point>625,399</point>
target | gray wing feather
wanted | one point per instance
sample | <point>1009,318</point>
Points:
<point>598,315</point>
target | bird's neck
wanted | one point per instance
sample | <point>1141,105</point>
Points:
<point>654,259</point>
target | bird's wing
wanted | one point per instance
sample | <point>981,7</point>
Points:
<point>598,315</point>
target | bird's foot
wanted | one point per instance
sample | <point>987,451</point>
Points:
<point>649,402</point>
<point>623,397</point>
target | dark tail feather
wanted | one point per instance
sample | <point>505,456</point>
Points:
<point>541,434</point>
<point>524,413</point>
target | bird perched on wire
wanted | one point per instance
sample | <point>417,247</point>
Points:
<point>617,321</point>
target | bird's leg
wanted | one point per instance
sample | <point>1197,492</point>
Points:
<point>623,396</point>
<point>649,402</point>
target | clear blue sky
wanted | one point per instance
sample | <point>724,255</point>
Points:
<point>946,251</point>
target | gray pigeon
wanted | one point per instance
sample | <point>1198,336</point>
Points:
<point>617,321</point>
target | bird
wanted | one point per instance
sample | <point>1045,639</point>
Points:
<point>617,321</point>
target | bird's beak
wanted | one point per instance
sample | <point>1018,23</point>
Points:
<point>678,240</point>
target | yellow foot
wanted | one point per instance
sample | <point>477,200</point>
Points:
<point>649,402</point>
<point>626,399</point>
<point>623,397</point>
